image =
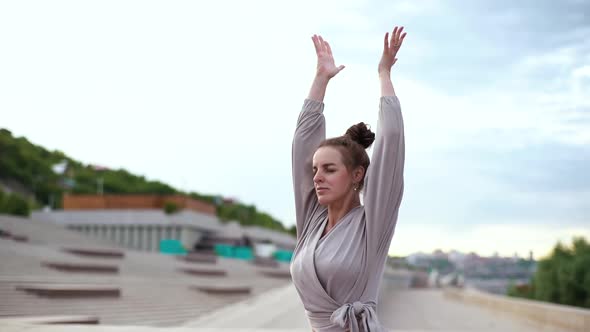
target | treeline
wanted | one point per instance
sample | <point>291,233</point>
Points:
<point>562,278</point>
<point>32,166</point>
<point>248,214</point>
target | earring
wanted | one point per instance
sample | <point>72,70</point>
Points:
<point>356,187</point>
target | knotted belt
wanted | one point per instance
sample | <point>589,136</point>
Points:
<point>357,316</point>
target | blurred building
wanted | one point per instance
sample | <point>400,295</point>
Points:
<point>136,229</point>
<point>144,229</point>
<point>141,222</point>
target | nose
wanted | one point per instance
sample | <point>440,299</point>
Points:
<point>317,178</point>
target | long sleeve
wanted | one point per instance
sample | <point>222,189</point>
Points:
<point>384,181</point>
<point>310,132</point>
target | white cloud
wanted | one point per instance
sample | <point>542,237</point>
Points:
<point>564,56</point>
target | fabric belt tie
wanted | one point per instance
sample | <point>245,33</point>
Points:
<point>357,316</point>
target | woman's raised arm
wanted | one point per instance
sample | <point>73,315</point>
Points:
<point>385,177</point>
<point>309,133</point>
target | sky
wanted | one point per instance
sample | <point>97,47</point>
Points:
<point>204,96</point>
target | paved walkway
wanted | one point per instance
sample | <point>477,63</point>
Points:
<point>430,310</point>
<point>276,309</point>
<point>399,310</point>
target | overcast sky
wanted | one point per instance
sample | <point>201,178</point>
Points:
<point>205,96</point>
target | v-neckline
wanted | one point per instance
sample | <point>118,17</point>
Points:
<point>325,224</point>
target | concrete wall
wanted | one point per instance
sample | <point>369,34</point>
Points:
<point>549,317</point>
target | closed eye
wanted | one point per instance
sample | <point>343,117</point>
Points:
<point>328,168</point>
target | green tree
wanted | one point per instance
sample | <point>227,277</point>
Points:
<point>564,276</point>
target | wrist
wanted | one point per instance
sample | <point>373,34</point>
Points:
<point>321,78</point>
<point>384,73</point>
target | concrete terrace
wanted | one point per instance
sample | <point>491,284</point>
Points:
<point>155,289</point>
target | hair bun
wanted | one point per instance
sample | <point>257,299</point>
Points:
<point>361,134</point>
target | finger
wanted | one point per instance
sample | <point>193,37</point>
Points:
<point>328,48</point>
<point>402,39</point>
<point>398,39</point>
<point>316,43</point>
<point>341,67</point>
<point>386,42</point>
<point>392,41</point>
<point>322,43</point>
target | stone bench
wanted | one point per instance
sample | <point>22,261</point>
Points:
<point>70,291</point>
<point>204,272</point>
<point>265,262</point>
<point>224,290</point>
<point>9,235</point>
<point>276,274</point>
<point>77,267</point>
<point>199,258</point>
<point>95,252</point>
<point>20,238</point>
<point>36,320</point>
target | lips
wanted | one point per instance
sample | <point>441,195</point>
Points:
<point>321,190</point>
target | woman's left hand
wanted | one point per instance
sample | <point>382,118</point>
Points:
<point>390,48</point>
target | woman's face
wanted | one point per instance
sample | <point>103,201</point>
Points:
<point>331,179</point>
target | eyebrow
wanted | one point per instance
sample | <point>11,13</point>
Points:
<point>325,165</point>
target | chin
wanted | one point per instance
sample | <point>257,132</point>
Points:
<point>324,201</point>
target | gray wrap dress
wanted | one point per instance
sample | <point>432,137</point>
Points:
<point>338,275</point>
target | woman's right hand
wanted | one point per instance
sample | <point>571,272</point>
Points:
<point>326,67</point>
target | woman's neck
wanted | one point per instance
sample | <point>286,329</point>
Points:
<point>339,209</point>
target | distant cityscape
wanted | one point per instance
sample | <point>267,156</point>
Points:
<point>492,274</point>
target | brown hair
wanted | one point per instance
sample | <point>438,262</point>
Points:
<point>352,146</point>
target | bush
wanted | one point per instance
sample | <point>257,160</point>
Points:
<point>14,204</point>
<point>170,207</point>
<point>521,290</point>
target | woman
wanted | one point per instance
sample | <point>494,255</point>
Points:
<point>342,245</point>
